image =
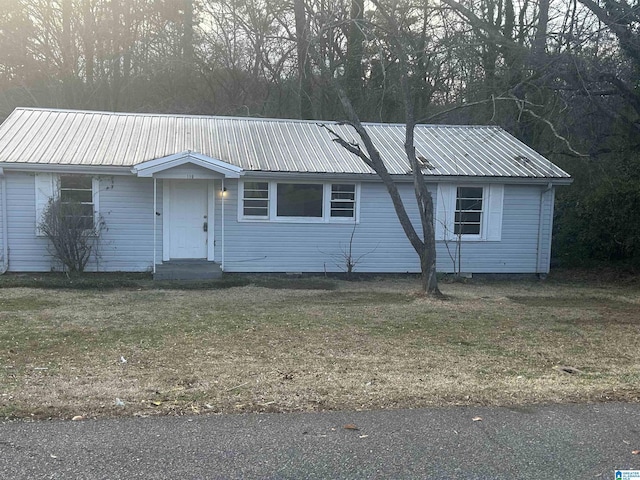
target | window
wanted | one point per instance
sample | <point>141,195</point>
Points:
<point>256,199</point>
<point>343,200</point>
<point>469,212</point>
<point>298,202</point>
<point>468,215</point>
<point>78,190</point>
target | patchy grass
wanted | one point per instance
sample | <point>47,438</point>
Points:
<point>281,344</point>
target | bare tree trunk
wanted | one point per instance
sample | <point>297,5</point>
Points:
<point>304,70</point>
<point>424,248</point>
<point>353,64</point>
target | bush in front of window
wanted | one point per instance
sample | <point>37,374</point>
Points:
<point>72,232</point>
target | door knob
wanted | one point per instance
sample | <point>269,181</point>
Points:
<point>205,226</point>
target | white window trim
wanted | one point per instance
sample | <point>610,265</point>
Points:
<point>491,217</point>
<point>47,186</point>
<point>273,204</point>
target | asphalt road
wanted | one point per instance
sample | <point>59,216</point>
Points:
<point>555,442</point>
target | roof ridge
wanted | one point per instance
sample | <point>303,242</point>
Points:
<point>248,119</point>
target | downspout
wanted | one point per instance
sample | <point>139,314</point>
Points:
<point>155,221</point>
<point>5,233</point>
<point>222,229</point>
<point>543,192</point>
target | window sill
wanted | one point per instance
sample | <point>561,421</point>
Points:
<point>300,220</point>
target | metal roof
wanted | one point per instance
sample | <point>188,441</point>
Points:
<point>87,138</point>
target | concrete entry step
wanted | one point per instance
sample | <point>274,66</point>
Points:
<point>187,270</point>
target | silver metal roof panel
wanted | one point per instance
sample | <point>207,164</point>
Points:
<point>87,138</point>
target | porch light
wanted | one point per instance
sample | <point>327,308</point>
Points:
<point>223,192</point>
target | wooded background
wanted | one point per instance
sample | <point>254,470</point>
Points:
<point>561,75</point>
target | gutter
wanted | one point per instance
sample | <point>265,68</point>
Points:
<point>5,234</point>
<point>79,169</point>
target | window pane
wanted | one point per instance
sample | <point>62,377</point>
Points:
<point>342,213</point>
<point>76,182</point>
<point>468,217</point>
<point>341,205</point>
<point>80,196</point>
<point>256,186</point>
<point>255,212</point>
<point>469,204</point>
<point>256,193</point>
<point>256,199</point>
<point>469,192</point>
<point>343,196</point>
<point>299,200</point>
<point>465,229</point>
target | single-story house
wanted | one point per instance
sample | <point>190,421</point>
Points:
<point>269,195</point>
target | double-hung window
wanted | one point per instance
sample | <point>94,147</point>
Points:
<point>298,201</point>
<point>468,215</point>
<point>469,212</point>
<point>76,195</point>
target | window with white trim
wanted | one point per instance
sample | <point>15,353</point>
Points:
<point>299,200</point>
<point>76,192</point>
<point>469,212</point>
<point>306,202</point>
<point>256,199</point>
<point>343,200</point>
<point>80,189</point>
<point>468,215</point>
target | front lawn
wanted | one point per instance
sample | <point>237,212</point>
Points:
<point>326,345</point>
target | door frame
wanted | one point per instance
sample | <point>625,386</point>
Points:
<point>166,218</point>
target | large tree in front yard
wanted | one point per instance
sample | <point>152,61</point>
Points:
<point>401,47</point>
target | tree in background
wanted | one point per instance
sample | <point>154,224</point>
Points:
<point>548,72</point>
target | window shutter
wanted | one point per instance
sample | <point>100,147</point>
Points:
<point>445,211</point>
<point>95,186</point>
<point>45,190</point>
<point>494,212</point>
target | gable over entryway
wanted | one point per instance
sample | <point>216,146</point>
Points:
<point>190,182</point>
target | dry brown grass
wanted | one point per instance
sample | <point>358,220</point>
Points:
<point>373,344</point>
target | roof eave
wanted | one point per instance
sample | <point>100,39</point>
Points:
<point>150,168</point>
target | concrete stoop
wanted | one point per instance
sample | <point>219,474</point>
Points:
<point>187,270</point>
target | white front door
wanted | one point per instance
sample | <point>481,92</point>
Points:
<point>188,219</point>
